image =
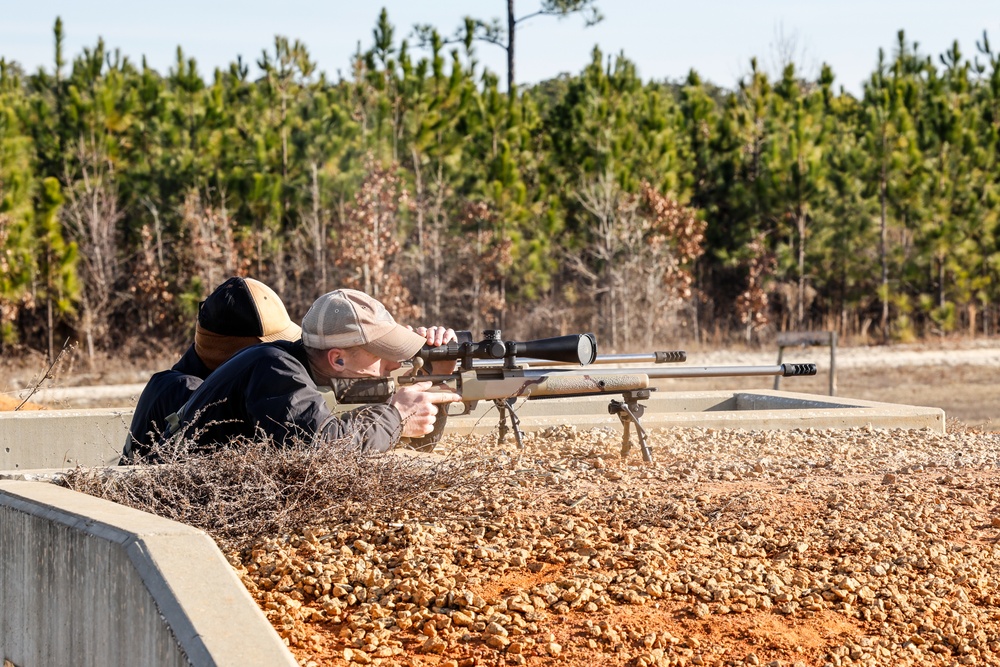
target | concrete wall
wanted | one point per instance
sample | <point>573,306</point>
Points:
<point>62,438</point>
<point>67,438</point>
<point>86,582</point>
<point>749,410</point>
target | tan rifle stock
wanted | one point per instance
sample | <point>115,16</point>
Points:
<point>503,386</point>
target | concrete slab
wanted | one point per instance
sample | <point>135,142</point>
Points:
<point>750,410</point>
<point>40,475</point>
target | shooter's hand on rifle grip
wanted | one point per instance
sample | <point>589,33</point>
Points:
<point>418,407</point>
<point>437,336</point>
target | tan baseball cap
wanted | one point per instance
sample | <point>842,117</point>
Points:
<point>348,318</point>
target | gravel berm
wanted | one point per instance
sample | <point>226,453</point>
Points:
<point>795,548</point>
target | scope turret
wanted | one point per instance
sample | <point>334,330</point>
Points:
<point>572,349</point>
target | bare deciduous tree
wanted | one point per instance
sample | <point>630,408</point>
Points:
<point>213,251</point>
<point>91,216</point>
<point>482,256</point>
<point>752,303</point>
<point>637,261</point>
<point>369,244</point>
<point>608,261</point>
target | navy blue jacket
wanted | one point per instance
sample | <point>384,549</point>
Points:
<point>266,390</point>
<point>163,395</point>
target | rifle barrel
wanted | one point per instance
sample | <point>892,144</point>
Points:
<point>785,370</point>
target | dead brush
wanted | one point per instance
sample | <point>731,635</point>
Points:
<point>56,365</point>
<point>255,488</point>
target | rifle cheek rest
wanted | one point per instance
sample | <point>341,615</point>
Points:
<point>590,384</point>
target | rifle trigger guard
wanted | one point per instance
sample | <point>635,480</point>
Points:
<point>465,409</point>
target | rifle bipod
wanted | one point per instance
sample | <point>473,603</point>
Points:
<point>628,412</point>
<point>505,406</point>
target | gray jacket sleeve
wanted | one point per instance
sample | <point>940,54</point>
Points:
<point>372,428</point>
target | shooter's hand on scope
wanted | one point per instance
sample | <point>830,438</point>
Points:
<point>437,336</point>
<point>418,406</point>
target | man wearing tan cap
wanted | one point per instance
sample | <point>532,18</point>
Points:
<point>271,390</point>
<point>239,313</point>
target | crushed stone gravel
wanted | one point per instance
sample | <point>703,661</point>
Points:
<point>733,548</point>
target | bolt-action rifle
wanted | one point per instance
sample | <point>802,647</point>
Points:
<point>504,371</point>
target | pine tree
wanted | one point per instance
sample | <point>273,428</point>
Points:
<point>18,263</point>
<point>504,34</point>
<point>61,287</point>
<point>987,194</point>
<point>846,238</point>
<point>795,168</point>
<point>890,141</point>
<point>957,225</point>
<point>741,225</point>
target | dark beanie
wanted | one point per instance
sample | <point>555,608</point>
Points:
<point>240,312</point>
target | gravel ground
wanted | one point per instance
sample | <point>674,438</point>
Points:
<point>733,548</point>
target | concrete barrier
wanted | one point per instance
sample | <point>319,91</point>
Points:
<point>67,438</point>
<point>62,438</point>
<point>86,582</point>
<point>749,410</point>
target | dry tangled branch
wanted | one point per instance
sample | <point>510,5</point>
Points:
<point>256,488</point>
<point>49,373</point>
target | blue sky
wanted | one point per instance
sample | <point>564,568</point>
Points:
<point>664,38</point>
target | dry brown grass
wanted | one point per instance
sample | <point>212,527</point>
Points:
<point>255,488</point>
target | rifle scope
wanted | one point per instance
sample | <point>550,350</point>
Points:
<point>572,349</point>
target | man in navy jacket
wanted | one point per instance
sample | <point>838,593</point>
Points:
<point>271,390</point>
<point>239,313</point>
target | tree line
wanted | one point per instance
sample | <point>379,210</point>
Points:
<point>643,211</point>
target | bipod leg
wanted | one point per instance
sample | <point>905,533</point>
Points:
<point>506,410</point>
<point>502,427</point>
<point>626,434</point>
<point>628,412</point>
<point>515,423</point>
<point>640,432</point>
